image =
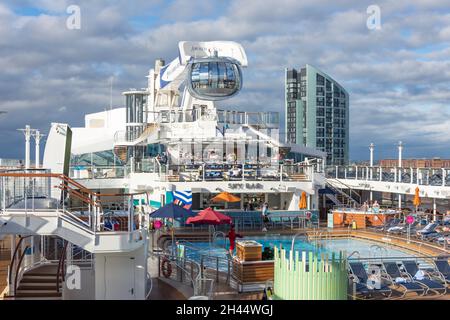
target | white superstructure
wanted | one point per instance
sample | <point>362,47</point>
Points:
<point>129,161</point>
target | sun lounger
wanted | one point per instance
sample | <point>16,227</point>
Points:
<point>359,273</point>
<point>429,229</point>
<point>387,225</point>
<point>443,269</point>
<point>412,268</point>
<point>393,272</point>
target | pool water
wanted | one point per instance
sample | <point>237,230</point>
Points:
<point>366,249</point>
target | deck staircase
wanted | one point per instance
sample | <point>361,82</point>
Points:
<point>121,142</point>
<point>121,153</point>
<point>343,195</point>
<point>334,199</point>
<point>298,177</point>
<point>38,284</point>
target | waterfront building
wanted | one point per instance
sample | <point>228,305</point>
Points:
<point>317,113</point>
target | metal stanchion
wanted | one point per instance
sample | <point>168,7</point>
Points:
<point>217,269</point>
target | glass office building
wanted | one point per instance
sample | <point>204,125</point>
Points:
<point>317,113</point>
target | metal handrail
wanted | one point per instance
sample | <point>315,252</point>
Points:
<point>18,268</point>
<point>151,285</point>
<point>295,236</point>
<point>349,188</point>
<point>13,259</point>
<point>61,268</point>
<point>379,248</point>
<point>215,235</point>
<point>168,255</point>
<point>353,253</point>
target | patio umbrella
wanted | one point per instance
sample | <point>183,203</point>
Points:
<point>302,204</point>
<point>417,201</point>
<point>225,197</point>
<point>171,211</point>
<point>209,216</point>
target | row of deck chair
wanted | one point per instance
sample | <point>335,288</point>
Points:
<point>435,281</point>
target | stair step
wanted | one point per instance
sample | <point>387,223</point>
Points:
<point>31,298</point>
<point>42,276</point>
<point>34,273</point>
<point>38,280</point>
<point>38,294</point>
<point>36,286</point>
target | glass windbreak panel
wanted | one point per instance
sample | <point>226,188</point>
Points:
<point>214,79</point>
<point>99,158</point>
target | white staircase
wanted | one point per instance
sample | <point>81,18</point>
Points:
<point>34,216</point>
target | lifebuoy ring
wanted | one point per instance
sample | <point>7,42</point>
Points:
<point>166,268</point>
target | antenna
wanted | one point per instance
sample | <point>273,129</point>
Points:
<point>28,132</point>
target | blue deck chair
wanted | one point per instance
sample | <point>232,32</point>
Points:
<point>389,224</point>
<point>392,271</point>
<point>443,269</point>
<point>412,268</point>
<point>428,229</point>
<point>359,272</point>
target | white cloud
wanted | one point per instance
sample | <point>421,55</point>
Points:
<point>397,77</point>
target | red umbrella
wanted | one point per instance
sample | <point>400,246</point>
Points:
<point>209,216</point>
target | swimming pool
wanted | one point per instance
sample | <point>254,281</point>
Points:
<point>366,249</point>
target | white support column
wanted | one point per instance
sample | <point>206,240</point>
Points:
<point>400,150</point>
<point>37,150</point>
<point>434,210</point>
<point>444,176</point>
<point>356,172</point>
<point>37,137</point>
<point>371,148</point>
<point>28,133</point>
<point>3,193</point>
<point>27,146</point>
<point>132,164</point>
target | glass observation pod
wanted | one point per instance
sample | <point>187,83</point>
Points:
<point>214,78</point>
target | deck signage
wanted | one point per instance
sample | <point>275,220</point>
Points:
<point>410,219</point>
<point>240,186</point>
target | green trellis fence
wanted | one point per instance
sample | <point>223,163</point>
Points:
<point>312,277</point>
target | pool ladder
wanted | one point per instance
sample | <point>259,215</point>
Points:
<point>377,248</point>
<point>295,236</point>
<point>354,253</point>
<point>217,234</point>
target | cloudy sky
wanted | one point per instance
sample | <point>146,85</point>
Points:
<point>398,76</point>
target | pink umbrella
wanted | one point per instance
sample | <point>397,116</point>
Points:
<point>209,216</point>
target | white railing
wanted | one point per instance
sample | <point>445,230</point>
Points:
<point>236,172</point>
<point>418,176</point>
<point>30,193</point>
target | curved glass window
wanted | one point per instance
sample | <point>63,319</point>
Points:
<point>214,79</point>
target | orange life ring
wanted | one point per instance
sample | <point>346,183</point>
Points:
<point>166,268</point>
